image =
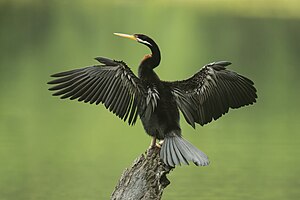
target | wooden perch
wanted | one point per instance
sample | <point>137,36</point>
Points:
<point>144,180</point>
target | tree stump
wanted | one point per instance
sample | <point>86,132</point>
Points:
<point>145,179</point>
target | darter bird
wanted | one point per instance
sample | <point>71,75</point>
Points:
<point>204,97</point>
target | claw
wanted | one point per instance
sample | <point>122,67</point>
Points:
<point>160,143</point>
<point>157,145</point>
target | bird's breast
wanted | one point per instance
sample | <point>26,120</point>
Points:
<point>165,115</point>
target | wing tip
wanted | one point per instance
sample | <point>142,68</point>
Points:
<point>55,75</point>
<point>106,61</point>
<point>223,63</point>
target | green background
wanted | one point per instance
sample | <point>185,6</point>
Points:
<point>55,149</point>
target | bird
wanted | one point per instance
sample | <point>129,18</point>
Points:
<point>201,98</point>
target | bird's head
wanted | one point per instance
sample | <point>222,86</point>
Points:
<point>141,38</point>
<point>144,39</point>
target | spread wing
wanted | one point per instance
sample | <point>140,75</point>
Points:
<point>112,84</point>
<point>211,92</point>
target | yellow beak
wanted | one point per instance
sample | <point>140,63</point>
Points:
<point>126,36</point>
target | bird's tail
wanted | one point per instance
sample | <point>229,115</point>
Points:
<point>176,151</point>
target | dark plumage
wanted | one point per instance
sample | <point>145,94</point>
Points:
<point>205,96</point>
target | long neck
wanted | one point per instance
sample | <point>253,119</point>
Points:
<point>155,56</point>
<point>150,62</point>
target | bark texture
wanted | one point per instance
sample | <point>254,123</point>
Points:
<point>144,180</point>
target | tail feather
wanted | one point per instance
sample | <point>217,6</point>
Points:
<point>178,154</point>
<point>199,157</point>
<point>176,151</point>
<point>170,154</point>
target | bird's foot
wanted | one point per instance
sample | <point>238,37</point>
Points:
<point>157,145</point>
<point>161,142</point>
<point>154,144</point>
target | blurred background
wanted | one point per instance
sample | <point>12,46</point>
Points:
<point>55,149</point>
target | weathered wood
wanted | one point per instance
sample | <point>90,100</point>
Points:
<point>144,180</point>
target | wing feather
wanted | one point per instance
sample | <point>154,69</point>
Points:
<point>112,84</point>
<point>210,93</point>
